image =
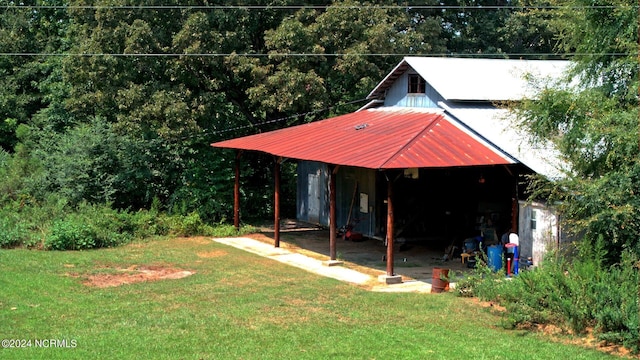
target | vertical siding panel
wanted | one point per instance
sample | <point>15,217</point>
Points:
<point>397,95</point>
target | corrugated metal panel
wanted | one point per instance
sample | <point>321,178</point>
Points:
<point>386,138</point>
<point>347,178</point>
<point>477,79</point>
<point>313,186</point>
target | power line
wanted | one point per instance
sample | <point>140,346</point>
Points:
<point>314,7</point>
<point>283,119</point>
<point>473,55</point>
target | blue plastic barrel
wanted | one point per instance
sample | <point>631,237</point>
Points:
<point>494,255</point>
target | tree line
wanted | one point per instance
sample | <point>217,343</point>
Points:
<point>117,104</point>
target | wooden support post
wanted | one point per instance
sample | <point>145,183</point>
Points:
<point>276,204</point>
<point>514,215</point>
<point>390,238</point>
<point>236,194</point>
<point>332,213</point>
<point>514,201</point>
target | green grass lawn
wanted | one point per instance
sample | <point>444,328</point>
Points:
<point>237,306</point>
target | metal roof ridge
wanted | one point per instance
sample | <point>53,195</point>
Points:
<point>412,140</point>
<point>408,109</point>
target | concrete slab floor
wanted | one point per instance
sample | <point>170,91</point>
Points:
<point>297,260</point>
<point>363,262</point>
<point>414,260</point>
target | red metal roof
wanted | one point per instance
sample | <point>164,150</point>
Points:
<point>385,138</point>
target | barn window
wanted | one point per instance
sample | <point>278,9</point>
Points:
<point>416,84</point>
<point>534,220</point>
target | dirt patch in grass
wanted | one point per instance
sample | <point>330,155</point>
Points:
<point>588,339</point>
<point>212,254</point>
<point>195,240</point>
<point>135,274</point>
<point>488,304</point>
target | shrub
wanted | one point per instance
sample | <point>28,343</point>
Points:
<point>230,230</point>
<point>111,227</point>
<point>482,281</point>
<point>189,225</point>
<point>24,220</point>
<point>90,226</point>
<point>12,233</point>
<point>70,234</point>
<point>17,228</point>
<point>148,223</point>
<point>574,295</point>
<point>192,225</point>
<point>55,225</point>
<point>617,306</point>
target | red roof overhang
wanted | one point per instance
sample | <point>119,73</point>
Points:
<point>377,139</point>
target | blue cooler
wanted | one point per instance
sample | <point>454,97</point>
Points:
<point>470,245</point>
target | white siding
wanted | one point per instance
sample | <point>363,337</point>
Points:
<point>397,95</point>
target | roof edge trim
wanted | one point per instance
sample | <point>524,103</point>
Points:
<point>391,73</point>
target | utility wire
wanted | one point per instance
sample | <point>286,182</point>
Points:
<point>316,7</point>
<point>473,55</point>
<point>283,119</point>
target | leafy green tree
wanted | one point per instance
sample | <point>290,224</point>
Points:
<point>531,29</point>
<point>81,164</point>
<point>324,58</point>
<point>595,124</point>
<point>504,28</point>
<point>206,80</point>
<point>22,33</point>
<point>171,80</point>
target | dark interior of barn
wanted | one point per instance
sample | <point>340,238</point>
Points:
<point>441,207</point>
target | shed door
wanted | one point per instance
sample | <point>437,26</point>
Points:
<point>314,198</point>
<point>537,230</point>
